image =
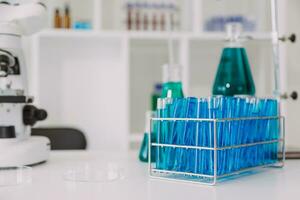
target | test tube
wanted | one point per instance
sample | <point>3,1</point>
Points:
<point>160,158</point>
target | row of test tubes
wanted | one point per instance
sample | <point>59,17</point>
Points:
<point>152,15</point>
<point>229,134</point>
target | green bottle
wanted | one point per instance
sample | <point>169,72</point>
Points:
<point>234,75</point>
<point>155,96</point>
<point>172,86</point>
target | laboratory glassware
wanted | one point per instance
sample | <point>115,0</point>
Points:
<point>234,75</point>
<point>234,135</point>
<point>67,18</point>
<point>94,172</point>
<point>155,95</point>
<point>172,84</point>
<point>212,139</point>
<point>57,19</point>
<point>144,149</point>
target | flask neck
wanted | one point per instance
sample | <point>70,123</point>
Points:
<point>234,31</point>
<point>171,73</point>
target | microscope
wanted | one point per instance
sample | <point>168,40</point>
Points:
<point>17,114</point>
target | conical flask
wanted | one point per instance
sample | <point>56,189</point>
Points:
<point>172,88</point>
<point>144,149</point>
<point>234,75</point>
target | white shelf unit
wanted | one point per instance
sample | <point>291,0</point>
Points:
<point>79,11</point>
<point>109,14</point>
<point>138,57</point>
<point>73,81</point>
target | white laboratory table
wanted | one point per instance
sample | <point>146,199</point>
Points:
<point>48,182</point>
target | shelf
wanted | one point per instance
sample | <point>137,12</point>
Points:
<point>140,35</point>
<point>216,36</point>
<point>62,33</point>
<point>57,33</point>
<point>157,35</point>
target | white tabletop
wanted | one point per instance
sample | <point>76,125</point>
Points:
<point>48,182</point>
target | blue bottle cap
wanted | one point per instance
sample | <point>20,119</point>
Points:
<point>158,86</point>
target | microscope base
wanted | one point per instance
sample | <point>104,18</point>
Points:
<point>16,153</point>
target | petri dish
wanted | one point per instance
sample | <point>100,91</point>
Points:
<point>14,176</point>
<point>94,173</point>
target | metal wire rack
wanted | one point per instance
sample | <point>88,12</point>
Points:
<point>216,160</point>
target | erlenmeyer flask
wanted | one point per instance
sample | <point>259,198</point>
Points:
<point>234,75</point>
<point>172,88</point>
<point>144,149</point>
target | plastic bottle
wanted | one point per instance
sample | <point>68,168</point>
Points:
<point>234,75</point>
<point>172,86</point>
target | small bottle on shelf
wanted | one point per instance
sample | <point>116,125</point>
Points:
<point>57,19</point>
<point>67,18</point>
<point>174,16</point>
<point>171,16</point>
<point>137,16</point>
<point>145,16</point>
<point>129,20</point>
<point>150,14</point>
<point>162,21</point>
<point>154,19</point>
<point>154,22</point>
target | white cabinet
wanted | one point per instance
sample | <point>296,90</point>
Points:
<point>83,83</point>
<point>100,80</point>
<point>292,80</point>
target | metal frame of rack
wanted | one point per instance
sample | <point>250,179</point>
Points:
<point>207,179</point>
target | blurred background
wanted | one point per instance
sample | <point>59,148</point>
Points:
<point>95,67</point>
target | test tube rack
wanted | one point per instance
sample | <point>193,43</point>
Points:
<point>217,160</point>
